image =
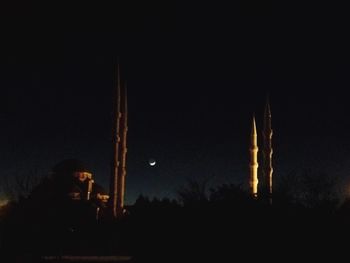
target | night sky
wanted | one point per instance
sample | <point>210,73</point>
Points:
<point>195,76</point>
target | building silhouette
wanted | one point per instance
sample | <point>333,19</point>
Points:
<point>71,185</point>
<point>71,191</point>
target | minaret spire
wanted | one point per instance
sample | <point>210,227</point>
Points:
<point>120,127</point>
<point>267,150</point>
<point>123,151</point>
<point>253,165</point>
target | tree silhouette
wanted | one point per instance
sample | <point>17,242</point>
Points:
<point>193,193</point>
<point>319,190</point>
<point>310,189</point>
<point>20,186</point>
<point>228,193</point>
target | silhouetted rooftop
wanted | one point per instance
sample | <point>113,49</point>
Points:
<point>69,166</point>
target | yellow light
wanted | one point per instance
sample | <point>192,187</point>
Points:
<point>3,202</point>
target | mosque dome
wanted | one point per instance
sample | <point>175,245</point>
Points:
<point>69,166</point>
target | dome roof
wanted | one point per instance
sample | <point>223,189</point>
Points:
<point>69,166</point>
<point>99,189</point>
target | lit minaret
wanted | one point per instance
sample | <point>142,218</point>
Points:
<point>118,173</point>
<point>267,151</point>
<point>123,151</point>
<point>253,181</point>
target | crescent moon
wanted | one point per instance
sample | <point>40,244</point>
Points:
<point>152,162</point>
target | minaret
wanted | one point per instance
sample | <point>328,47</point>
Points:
<point>118,171</point>
<point>253,165</point>
<point>113,190</point>
<point>123,151</point>
<point>267,151</point>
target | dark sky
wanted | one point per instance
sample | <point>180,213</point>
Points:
<point>195,76</point>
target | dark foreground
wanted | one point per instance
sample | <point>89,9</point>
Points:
<point>182,234</point>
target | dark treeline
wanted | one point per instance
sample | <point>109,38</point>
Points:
<point>222,223</point>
